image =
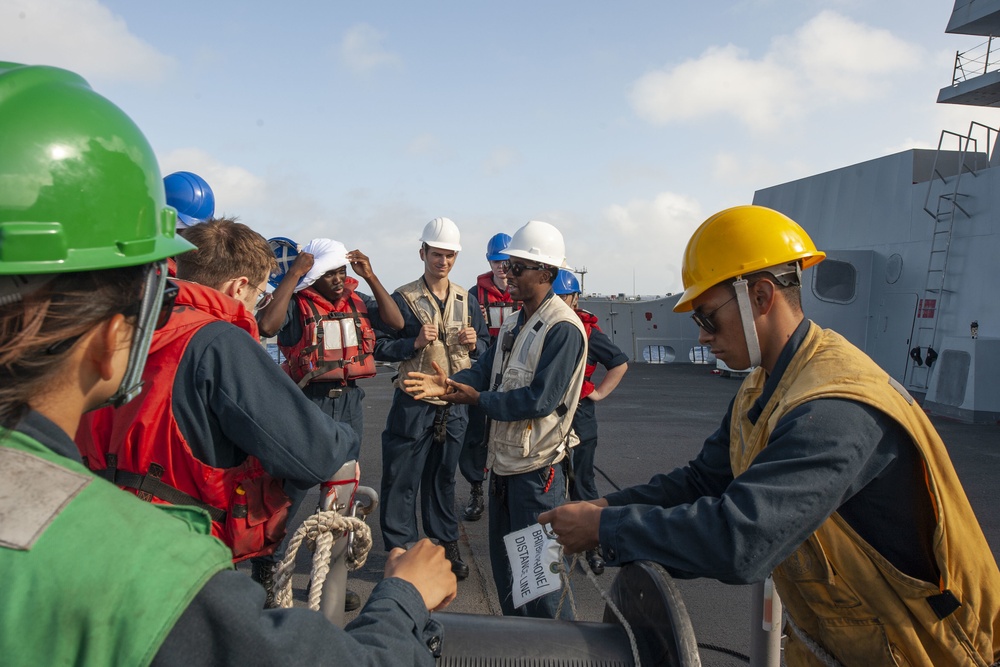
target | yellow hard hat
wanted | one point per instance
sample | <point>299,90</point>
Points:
<point>739,241</point>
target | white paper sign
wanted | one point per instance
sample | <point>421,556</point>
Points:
<point>535,562</point>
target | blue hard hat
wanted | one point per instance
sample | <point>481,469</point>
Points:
<point>566,283</point>
<point>191,196</point>
<point>496,246</point>
<point>285,251</point>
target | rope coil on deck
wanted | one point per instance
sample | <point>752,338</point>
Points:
<point>320,532</point>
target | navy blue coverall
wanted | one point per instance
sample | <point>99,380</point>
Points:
<point>344,407</point>
<point>225,623</point>
<point>827,455</point>
<point>517,500</point>
<point>600,350</point>
<point>411,461</point>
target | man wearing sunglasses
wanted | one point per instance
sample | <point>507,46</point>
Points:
<point>528,384</point>
<point>497,305</point>
<point>825,472</point>
<point>218,425</point>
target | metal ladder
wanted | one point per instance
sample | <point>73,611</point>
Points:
<point>944,202</point>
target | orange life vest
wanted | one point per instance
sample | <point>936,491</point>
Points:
<point>337,338</point>
<point>589,324</point>
<point>140,447</point>
<point>496,305</point>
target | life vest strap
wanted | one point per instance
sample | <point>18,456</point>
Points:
<point>324,366</point>
<point>149,486</point>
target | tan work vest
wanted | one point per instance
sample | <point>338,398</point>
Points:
<point>841,593</point>
<point>449,354</point>
<point>522,446</point>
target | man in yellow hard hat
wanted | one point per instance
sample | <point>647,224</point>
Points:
<point>824,471</point>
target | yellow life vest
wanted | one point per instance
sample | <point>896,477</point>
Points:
<point>449,354</point>
<point>842,596</point>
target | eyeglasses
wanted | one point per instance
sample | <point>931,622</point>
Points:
<point>263,298</point>
<point>517,268</point>
<point>707,321</point>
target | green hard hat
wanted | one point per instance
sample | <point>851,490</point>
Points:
<point>80,188</point>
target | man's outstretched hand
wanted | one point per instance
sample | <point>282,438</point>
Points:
<point>425,385</point>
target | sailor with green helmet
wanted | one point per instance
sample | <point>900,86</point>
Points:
<point>92,575</point>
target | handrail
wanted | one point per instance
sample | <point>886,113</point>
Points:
<point>974,62</point>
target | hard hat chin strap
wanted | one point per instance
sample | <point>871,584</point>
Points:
<point>746,315</point>
<point>142,336</point>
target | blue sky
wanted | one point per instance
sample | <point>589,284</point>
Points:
<point>624,124</point>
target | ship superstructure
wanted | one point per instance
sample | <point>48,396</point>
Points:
<point>913,254</point>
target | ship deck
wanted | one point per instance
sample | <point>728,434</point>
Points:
<point>656,420</point>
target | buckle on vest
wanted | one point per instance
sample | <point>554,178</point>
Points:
<point>155,471</point>
<point>335,393</point>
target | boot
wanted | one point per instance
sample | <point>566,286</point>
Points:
<point>595,561</point>
<point>474,510</point>
<point>263,573</point>
<point>458,565</point>
<point>352,600</point>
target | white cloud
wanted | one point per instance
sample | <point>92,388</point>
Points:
<point>81,35</point>
<point>722,81</point>
<point>500,159</point>
<point>424,144</point>
<point>236,189</point>
<point>842,58</point>
<point>829,60</point>
<point>645,239</point>
<point>752,171</point>
<point>361,49</point>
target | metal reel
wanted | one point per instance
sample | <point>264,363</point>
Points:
<point>643,592</point>
<point>651,603</point>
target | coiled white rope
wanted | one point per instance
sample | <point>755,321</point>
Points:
<point>320,531</point>
<point>567,593</point>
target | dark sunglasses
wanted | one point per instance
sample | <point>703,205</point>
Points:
<point>517,268</point>
<point>166,308</point>
<point>706,320</point>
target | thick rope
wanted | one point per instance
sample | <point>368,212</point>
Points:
<point>320,531</point>
<point>567,593</point>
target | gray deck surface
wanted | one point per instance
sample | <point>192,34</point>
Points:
<point>656,420</point>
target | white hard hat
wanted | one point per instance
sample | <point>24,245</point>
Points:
<point>540,242</point>
<point>442,233</point>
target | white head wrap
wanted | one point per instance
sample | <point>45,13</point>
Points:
<point>327,256</point>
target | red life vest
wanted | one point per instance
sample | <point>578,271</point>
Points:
<point>139,446</point>
<point>589,324</point>
<point>496,305</point>
<point>337,338</point>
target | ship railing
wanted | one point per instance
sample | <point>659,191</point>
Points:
<point>949,166</point>
<point>977,61</point>
<point>958,154</point>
